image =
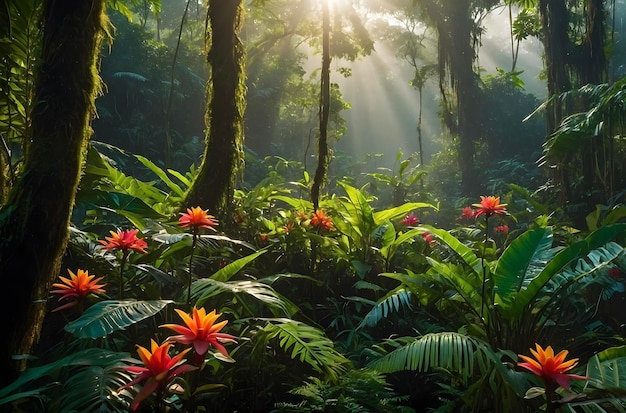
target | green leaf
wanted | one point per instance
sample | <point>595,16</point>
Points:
<point>228,271</point>
<point>452,351</point>
<point>106,317</point>
<point>162,175</point>
<point>88,357</point>
<point>523,259</point>
<point>306,343</point>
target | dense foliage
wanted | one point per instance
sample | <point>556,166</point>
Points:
<point>405,288</point>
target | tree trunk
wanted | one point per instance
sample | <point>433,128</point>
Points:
<point>554,23</point>
<point>223,155</point>
<point>324,112</point>
<point>456,52</point>
<point>34,224</point>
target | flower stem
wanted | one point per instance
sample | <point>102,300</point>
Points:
<point>482,263</point>
<point>193,248</point>
<point>122,265</point>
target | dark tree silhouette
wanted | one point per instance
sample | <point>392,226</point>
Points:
<point>34,223</point>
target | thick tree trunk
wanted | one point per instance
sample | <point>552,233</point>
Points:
<point>223,156</point>
<point>34,224</point>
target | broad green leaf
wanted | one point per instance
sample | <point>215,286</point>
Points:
<point>106,317</point>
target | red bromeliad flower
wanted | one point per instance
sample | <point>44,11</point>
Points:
<point>77,287</point>
<point>428,238</point>
<point>467,213</point>
<point>125,241</point>
<point>159,368</point>
<point>550,368</point>
<point>197,218</point>
<point>410,220</point>
<point>490,205</point>
<point>201,331</point>
<point>503,229</point>
<point>321,221</point>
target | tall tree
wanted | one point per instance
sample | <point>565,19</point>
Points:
<point>323,151</point>
<point>34,223</point>
<point>223,155</point>
<point>457,32</point>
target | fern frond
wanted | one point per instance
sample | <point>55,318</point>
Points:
<point>306,343</point>
<point>391,302</point>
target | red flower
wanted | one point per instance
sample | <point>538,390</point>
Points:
<point>159,369</point>
<point>201,331</point>
<point>125,241</point>
<point>196,218</point>
<point>503,229</point>
<point>77,287</point>
<point>490,205</point>
<point>321,221</point>
<point>467,213</point>
<point>550,368</point>
<point>615,273</point>
<point>428,238</point>
<point>410,220</point>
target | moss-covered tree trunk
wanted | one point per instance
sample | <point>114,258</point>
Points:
<point>324,111</point>
<point>223,155</point>
<point>34,223</point>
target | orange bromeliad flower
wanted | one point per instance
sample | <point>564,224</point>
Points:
<point>125,241</point>
<point>159,368</point>
<point>197,218</point>
<point>201,331</point>
<point>550,368</point>
<point>321,221</point>
<point>77,287</point>
<point>490,205</point>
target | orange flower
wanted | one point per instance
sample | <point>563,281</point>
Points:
<point>503,229</point>
<point>550,368</point>
<point>125,241</point>
<point>321,221</point>
<point>78,286</point>
<point>159,368</point>
<point>201,331</point>
<point>490,205</point>
<point>196,218</point>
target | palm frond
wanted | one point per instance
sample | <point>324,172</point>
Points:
<point>605,391</point>
<point>306,343</point>
<point>94,389</point>
<point>88,357</point>
<point>392,301</point>
<point>206,288</point>
<point>454,352</point>
<point>106,317</point>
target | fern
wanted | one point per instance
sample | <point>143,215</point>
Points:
<point>393,301</point>
<point>306,343</point>
<point>106,317</point>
